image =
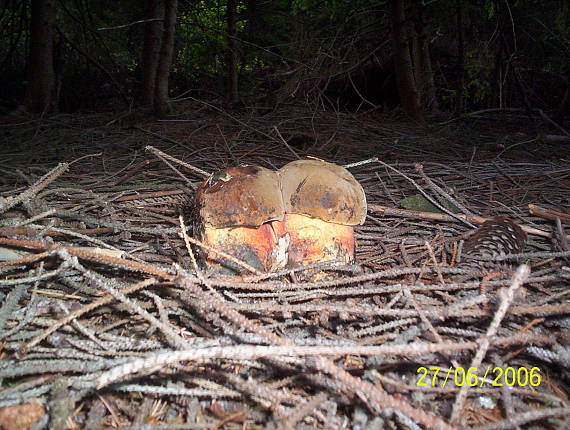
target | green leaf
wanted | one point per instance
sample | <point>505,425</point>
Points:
<point>419,203</point>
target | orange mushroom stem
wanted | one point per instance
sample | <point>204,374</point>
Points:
<point>312,240</point>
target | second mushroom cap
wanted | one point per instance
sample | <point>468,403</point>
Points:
<point>322,190</point>
<point>323,202</point>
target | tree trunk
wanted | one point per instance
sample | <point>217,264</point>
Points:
<point>498,76</point>
<point>459,88</point>
<point>161,106</point>
<point>430,93</point>
<point>151,50</point>
<point>232,54</point>
<point>41,76</point>
<point>403,63</point>
<point>417,66</point>
<point>564,107</point>
<point>423,72</point>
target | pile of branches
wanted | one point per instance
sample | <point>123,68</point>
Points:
<point>107,320</point>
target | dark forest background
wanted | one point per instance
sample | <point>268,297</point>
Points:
<point>423,56</point>
<point>118,117</point>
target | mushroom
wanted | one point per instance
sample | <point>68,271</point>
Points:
<point>233,213</point>
<point>303,214</point>
<point>323,202</point>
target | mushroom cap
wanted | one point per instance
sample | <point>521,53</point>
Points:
<point>322,190</point>
<point>243,196</point>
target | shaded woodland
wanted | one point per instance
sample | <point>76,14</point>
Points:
<point>353,56</point>
<point>117,118</point>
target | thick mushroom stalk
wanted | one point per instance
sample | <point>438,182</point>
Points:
<point>323,202</point>
<point>234,208</point>
<point>312,240</point>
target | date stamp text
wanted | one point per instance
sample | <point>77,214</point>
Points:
<point>435,376</point>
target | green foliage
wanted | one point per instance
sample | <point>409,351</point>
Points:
<point>529,36</point>
<point>478,70</point>
<point>418,202</point>
<point>490,9</point>
<point>331,9</point>
<point>203,30</point>
<point>263,30</point>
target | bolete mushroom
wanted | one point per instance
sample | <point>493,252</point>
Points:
<point>303,214</point>
<point>323,202</point>
<point>233,211</point>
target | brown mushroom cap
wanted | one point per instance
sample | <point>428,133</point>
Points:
<point>243,196</point>
<point>322,190</point>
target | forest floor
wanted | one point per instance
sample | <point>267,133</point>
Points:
<point>105,322</point>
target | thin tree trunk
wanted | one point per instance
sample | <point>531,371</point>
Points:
<point>430,93</point>
<point>403,63</point>
<point>161,106</point>
<point>564,107</point>
<point>459,88</point>
<point>231,54</point>
<point>416,56</point>
<point>151,51</point>
<point>422,64</point>
<point>41,75</point>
